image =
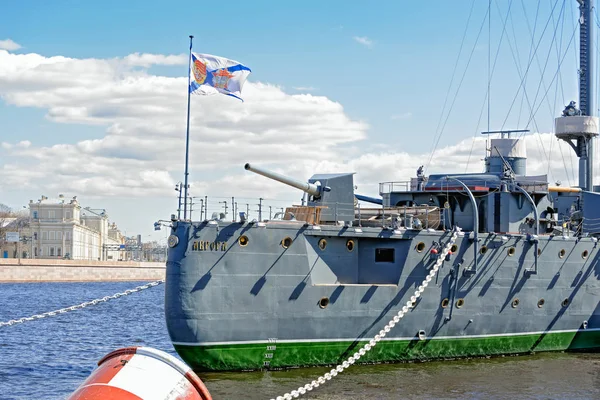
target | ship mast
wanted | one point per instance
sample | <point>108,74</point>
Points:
<point>587,84</point>
<point>579,127</point>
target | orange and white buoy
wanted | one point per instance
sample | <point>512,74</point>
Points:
<point>135,373</point>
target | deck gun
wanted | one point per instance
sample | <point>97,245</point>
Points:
<point>332,193</point>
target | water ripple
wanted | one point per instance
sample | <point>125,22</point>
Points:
<point>50,358</point>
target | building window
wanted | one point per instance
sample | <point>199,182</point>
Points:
<point>34,235</point>
<point>52,235</point>
<point>384,255</point>
<point>58,251</point>
<point>51,251</point>
<point>41,251</point>
<point>59,235</point>
<point>35,215</point>
<point>35,251</point>
<point>44,235</point>
<point>51,214</point>
<point>68,235</point>
<point>68,214</point>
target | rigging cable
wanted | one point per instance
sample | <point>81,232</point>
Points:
<point>529,57</point>
<point>551,82</point>
<point>454,69</point>
<point>546,92</point>
<point>491,74</point>
<point>489,86</point>
<point>456,93</point>
<point>559,82</point>
<point>543,72</point>
<point>546,88</point>
<point>529,65</point>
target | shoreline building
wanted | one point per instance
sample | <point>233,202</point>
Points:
<point>62,229</point>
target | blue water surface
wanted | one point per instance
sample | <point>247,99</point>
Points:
<point>51,357</point>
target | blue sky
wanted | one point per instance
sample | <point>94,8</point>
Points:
<point>387,65</point>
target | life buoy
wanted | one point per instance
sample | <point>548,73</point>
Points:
<point>135,373</point>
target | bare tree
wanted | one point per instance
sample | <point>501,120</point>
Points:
<point>6,215</point>
<point>13,221</point>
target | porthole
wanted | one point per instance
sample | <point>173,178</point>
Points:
<point>565,302</point>
<point>322,244</point>
<point>445,303</point>
<point>460,303</point>
<point>511,251</point>
<point>172,241</point>
<point>453,248</point>
<point>420,247</point>
<point>515,303</point>
<point>243,240</point>
<point>350,244</point>
<point>561,253</point>
<point>585,254</point>
<point>541,303</point>
<point>483,249</point>
<point>286,242</point>
<point>324,302</point>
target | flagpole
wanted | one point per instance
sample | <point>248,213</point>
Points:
<point>187,136</point>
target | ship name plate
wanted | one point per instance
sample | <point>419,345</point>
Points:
<point>207,245</point>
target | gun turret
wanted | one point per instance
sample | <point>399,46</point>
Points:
<point>310,188</point>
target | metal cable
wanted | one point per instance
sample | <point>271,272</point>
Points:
<point>80,306</point>
<point>302,390</point>
<point>456,93</point>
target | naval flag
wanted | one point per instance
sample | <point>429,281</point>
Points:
<point>212,74</point>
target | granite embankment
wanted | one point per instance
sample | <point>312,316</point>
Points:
<point>36,270</point>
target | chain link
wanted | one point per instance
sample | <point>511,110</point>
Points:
<point>82,305</point>
<point>386,329</point>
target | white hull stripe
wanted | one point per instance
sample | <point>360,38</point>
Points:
<point>241,342</point>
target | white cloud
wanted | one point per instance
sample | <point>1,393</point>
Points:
<point>9,45</point>
<point>305,88</point>
<point>142,150</point>
<point>147,60</point>
<point>365,41</point>
<point>141,153</point>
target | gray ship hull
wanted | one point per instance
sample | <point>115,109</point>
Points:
<point>282,294</point>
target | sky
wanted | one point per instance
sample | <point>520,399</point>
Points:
<point>93,96</point>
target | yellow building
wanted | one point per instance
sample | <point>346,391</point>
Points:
<point>63,229</point>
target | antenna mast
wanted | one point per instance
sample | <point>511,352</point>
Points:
<point>579,127</point>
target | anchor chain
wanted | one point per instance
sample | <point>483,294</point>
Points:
<point>373,342</point>
<point>82,305</point>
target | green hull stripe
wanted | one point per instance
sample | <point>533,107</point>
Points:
<point>231,357</point>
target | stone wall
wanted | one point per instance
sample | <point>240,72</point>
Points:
<point>34,270</point>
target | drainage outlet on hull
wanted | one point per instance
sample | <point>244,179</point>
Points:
<point>422,335</point>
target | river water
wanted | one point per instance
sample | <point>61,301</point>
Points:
<point>49,358</point>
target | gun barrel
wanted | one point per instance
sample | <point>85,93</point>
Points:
<point>309,188</point>
<point>368,199</point>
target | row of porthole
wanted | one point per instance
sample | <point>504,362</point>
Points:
<point>324,302</point>
<point>421,246</point>
<point>287,242</point>
<point>514,304</point>
<point>349,244</point>
<point>512,251</point>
